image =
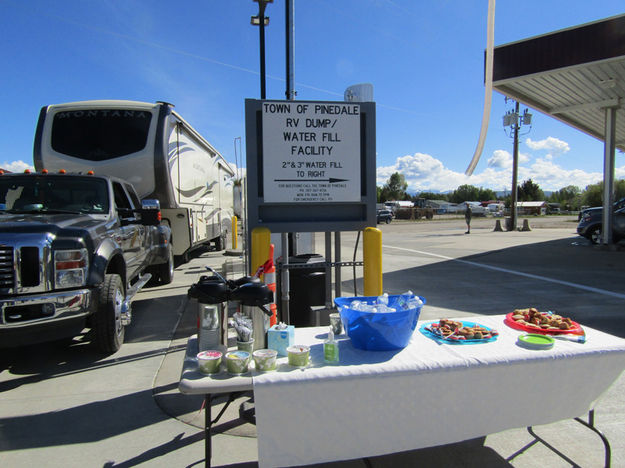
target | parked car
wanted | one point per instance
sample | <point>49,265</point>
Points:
<point>620,203</point>
<point>591,223</point>
<point>384,216</point>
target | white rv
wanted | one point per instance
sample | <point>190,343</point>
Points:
<point>152,147</point>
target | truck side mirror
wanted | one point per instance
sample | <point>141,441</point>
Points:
<point>150,212</point>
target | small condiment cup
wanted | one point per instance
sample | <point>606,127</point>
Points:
<point>265,359</point>
<point>237,362</point>
<point>209,361</point>
<point>298,355</point>
<point>246,345</point>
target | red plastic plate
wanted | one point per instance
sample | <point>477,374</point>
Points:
<point>576,328</point>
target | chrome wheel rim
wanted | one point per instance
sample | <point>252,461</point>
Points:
<point>117,304</point>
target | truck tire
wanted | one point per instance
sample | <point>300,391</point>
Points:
<point>165,271</point>
<point>109,331</point>
<point>220,242</point>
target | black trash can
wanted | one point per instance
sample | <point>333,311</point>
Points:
<point>307,289</point>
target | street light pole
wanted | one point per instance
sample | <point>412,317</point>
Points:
<point>261,21</point>
<point>290,49</point>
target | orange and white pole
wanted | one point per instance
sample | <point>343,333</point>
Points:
<point>270,281</point>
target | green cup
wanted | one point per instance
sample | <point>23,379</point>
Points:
<point>246,345</point>
<point>237,362</point>
<point>298,355</point>
<point>265,359</point>
<point>209,361</point>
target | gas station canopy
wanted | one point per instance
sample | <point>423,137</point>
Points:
<point>576,75</point>
<point>572,75</point>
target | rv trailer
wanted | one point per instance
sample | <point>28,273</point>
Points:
<point>156,150</point>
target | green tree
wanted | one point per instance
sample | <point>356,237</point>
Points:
<point>430,196</point>
<point>529,191</point>
<point>464,193</point>
<point>395,188</point>
<point>569,197</point>
<point>486,194</point>
<point>593,195</point>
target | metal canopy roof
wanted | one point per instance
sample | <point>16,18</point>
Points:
<point>571,75</point>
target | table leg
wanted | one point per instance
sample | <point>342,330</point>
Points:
<point>590,425</point>
<point>207,431</point>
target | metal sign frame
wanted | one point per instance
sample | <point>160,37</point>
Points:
<point>332,159</point>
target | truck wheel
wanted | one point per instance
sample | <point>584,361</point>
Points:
<point>220,242</point>
<point>109,331</point>
<point>165,271</point>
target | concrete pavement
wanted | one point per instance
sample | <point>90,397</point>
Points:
<point>71,407</point>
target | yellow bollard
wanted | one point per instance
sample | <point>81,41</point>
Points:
<point>372,256</point>
<point>235,239</point>
<point>261,239</point>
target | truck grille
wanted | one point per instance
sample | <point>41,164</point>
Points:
<point>24,267</point>
<point>7,269</point>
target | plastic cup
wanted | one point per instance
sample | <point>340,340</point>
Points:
<point>246,345</point>
<point>265,359</point>
<point>298,355</point>
<point>209,361</point>
<point>237,362</point>
<point>336,323</point>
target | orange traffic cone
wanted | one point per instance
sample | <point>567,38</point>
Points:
<point>270,281</point>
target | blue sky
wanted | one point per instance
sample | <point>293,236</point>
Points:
<point>424,58</point>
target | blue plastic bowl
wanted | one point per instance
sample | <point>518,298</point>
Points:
<point>373,331</point>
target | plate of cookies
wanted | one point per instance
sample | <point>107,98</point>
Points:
<point>458,332</point>
<point>546,323</point>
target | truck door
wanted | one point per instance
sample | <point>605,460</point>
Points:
<point>133,233</point>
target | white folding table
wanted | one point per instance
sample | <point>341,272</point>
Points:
<point>427,394</point>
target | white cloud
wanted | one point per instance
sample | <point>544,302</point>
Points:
<point>423,172</point>
<point>501,159</point>
<point>553,146</point>
<point>16,166</point>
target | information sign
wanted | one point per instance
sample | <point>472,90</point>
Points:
<point>311,151</point>
<point>310,165</point>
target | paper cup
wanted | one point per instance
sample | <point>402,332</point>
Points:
<point>209,361</point>
<point>298,355</point>
<point>336,324</point>
<point>237,362</point>
<point>246,345</point>
<point>265,359</point>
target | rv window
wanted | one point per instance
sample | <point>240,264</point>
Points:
<point>100,134</point>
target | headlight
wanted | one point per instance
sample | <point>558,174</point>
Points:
<point>70,268</point>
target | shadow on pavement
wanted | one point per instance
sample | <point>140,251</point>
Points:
<point>570,277</point>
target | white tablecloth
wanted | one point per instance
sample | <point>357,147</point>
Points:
<point>427,394</point>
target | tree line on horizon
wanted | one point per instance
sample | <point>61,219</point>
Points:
<point>571,197</point>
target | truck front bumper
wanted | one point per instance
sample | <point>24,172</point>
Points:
<point>43,317</point>
<point>24,311</point>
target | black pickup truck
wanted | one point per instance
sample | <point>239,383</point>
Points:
<point>74,250</point>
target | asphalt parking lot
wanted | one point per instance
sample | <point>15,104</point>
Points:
<point>68,406</point>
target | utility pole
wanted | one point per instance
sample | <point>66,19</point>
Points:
<point>514,120</point>
<point>515,171</point>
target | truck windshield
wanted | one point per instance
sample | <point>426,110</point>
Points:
<point>100,134</point>
<point>49,193</point>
